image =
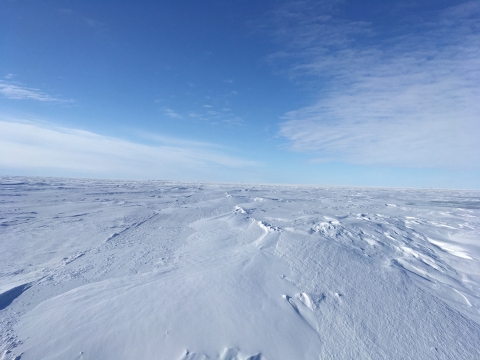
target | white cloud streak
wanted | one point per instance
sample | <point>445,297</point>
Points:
<point>172,114</point>
<point>207,115</point>
<point>28,145</point>
<point>17,91</point>
<point>410,100</point>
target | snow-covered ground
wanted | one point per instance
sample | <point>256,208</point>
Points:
<point>99,269</point>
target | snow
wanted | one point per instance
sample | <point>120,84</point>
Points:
<point>452,249</point>
<point>101,269</point>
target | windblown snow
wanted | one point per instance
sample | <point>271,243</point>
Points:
<point>99,269</point>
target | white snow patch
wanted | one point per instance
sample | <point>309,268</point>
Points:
<point>463,297</point>
<point>306,300</point>
<point>239,209</point>
<point>267,227</point>
<point>451,248</point>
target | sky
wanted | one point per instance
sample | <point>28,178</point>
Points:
<point>356,93</point>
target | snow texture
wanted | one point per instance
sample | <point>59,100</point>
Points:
<point>100,269</point>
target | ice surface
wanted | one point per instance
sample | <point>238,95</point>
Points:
<point>93,269</point>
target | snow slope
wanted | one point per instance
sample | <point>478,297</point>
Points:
<point>94,269</point>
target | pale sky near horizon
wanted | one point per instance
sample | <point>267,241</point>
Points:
<point>366,93</point>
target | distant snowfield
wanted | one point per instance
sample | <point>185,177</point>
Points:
<point>98,269</point>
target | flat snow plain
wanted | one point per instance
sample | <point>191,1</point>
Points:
<point>99,269</point>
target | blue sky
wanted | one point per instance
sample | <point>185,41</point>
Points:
<point>368,93</point>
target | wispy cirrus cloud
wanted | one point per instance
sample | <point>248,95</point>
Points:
<point>408,98</point>
<point>32,146</point>
<point>172,114</point>
<point>208,114</point>
<point>205,105</point>
<point>18,91</point>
